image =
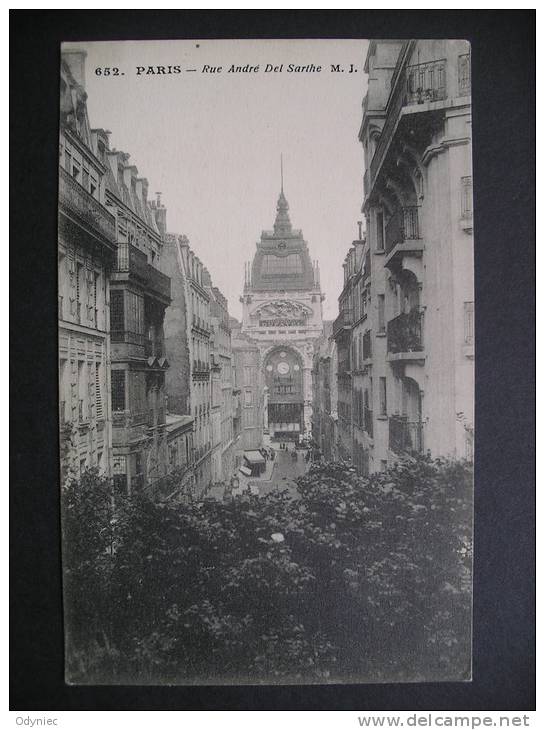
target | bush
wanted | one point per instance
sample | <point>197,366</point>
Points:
<point>365,578</point>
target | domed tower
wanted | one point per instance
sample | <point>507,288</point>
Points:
<point>282,313</point>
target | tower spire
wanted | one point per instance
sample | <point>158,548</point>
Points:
<point>281,174</point>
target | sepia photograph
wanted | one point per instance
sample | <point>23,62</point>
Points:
<point>266,354</point>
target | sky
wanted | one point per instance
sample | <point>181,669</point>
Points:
<point>211,143</point>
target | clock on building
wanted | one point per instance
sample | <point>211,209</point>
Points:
<point>283,368</point>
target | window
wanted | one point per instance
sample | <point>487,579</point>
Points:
<point>247,397</point>
<point>282,265</point>
<point>467,197</point>
<point>469,308</point>
<point>93,186</point>
<point>464,74</point>
<point>81,391</point>
<point>120,473</point>
<point>382,394</point>
<point>85,178</point>
<point>117,311</point>
<point>79,282</point>
<point>118,390</point>
<point>381,322</point>
<point>380,231</point>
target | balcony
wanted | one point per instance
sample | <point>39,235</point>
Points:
<point>79,206</point>
<point>200,323</point>
<point>158,283</point>
<point>131,338</point>
<point>425,82</point>
<point>402,227</point>
<point>132,261</point>
<point>414,86</point>
<point>406,436</point>
<point>404,336</point>
<point>343,322</point>
<point>200,367</point>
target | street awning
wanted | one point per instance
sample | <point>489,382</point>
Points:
<point>254,457</point>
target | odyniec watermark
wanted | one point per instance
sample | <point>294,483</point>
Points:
<point>35,721</point>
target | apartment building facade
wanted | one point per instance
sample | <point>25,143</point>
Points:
<point>413,352</point>
<point>139,296</point>
<point>221,355</point>
<point>188,329</point>
<point>249,395</point>
<point>86,255</point>
<point>324,389</point>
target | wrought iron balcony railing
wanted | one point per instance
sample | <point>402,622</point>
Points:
<point>406,436</point>
<point>402,226</point>
<point>158,282</point>
<point>79,203</point>
<point>416,84</point>
<point>404,332</point>
<point>426,82</point>
<point>134,262</point>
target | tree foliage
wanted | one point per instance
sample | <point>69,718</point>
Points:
<point>370,581</point>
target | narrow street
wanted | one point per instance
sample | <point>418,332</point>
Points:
<point>285,471</point>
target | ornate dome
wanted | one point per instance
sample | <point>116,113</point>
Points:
<point>282,260</point>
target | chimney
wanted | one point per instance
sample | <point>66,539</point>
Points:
<point>359,229</point>
<point>160,215</point>
<point>75,59</point>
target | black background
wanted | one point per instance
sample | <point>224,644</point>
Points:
<point>503,84</point>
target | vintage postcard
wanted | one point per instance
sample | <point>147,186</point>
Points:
<point>266,361</point>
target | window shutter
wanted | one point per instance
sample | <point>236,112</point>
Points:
<point>98,393</point>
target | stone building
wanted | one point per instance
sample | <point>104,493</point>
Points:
<point>282,316</point>
<point>221,363</point>
<point>324,391</point>
<point>249,396</point>
<point>187,338</point>
<point>86,254</point>
<point>414,349</point>
<point>180,456</point>
<point>139,296</point>
<point>342,335</point>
